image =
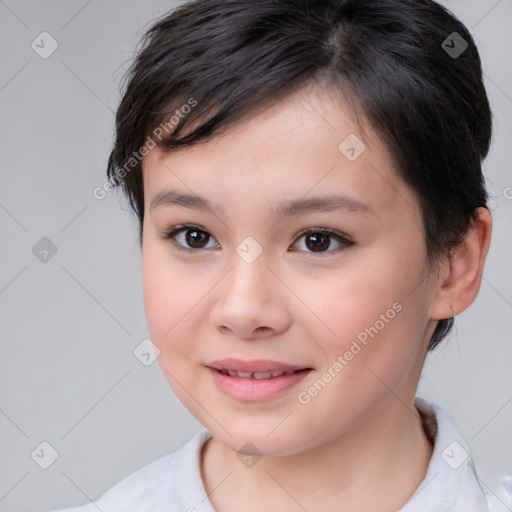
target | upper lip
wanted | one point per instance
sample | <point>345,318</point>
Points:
<point>255,365</point>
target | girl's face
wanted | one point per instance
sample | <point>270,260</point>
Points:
<point>345,304</point>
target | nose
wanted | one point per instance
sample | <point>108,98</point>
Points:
<point>251,302</point>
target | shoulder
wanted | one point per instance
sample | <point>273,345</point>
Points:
<point>499,493</point>
<point>157,484</point>
<point>454,482</point>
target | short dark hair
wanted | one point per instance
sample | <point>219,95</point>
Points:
<point>397,62</point>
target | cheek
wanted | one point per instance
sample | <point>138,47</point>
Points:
<point>370,357</point>
<point>373,319</point>
<point>171,300</point>
<point>352,301</point>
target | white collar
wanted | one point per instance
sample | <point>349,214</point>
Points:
<point>451,483</point>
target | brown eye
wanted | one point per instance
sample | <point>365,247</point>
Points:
<point>322,240</point>
<point>196,239</point>
<point>190,238</point>
<point>317,242</point>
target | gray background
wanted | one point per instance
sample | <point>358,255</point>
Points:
<point>68,375</point>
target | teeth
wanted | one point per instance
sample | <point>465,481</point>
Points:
<point>245,375</point>
<point>257,375</point>
<point>261,375</point>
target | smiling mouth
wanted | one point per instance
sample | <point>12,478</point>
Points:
<point>271,380</point>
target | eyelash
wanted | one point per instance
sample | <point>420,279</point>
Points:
<point>344,241</point>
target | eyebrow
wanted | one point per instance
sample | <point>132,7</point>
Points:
<point>291,207</point>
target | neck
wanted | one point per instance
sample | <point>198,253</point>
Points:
<point>388,454</point>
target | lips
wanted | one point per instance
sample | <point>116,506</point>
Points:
<point>257,380</point>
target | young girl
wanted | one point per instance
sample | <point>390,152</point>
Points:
<point>307,178</point>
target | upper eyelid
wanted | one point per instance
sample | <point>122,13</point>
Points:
<point>336,232</point>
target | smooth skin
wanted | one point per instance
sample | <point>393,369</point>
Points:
<point>359,443</point>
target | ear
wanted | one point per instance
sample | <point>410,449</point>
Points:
<point>460,275</point>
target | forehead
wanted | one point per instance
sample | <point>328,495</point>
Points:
<point>308,143</point>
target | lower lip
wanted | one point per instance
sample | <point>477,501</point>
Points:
<point>253,390</point>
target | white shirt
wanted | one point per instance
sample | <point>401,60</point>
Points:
<point>172,483</point>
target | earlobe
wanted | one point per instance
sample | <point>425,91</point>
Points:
<point>458,285</point>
